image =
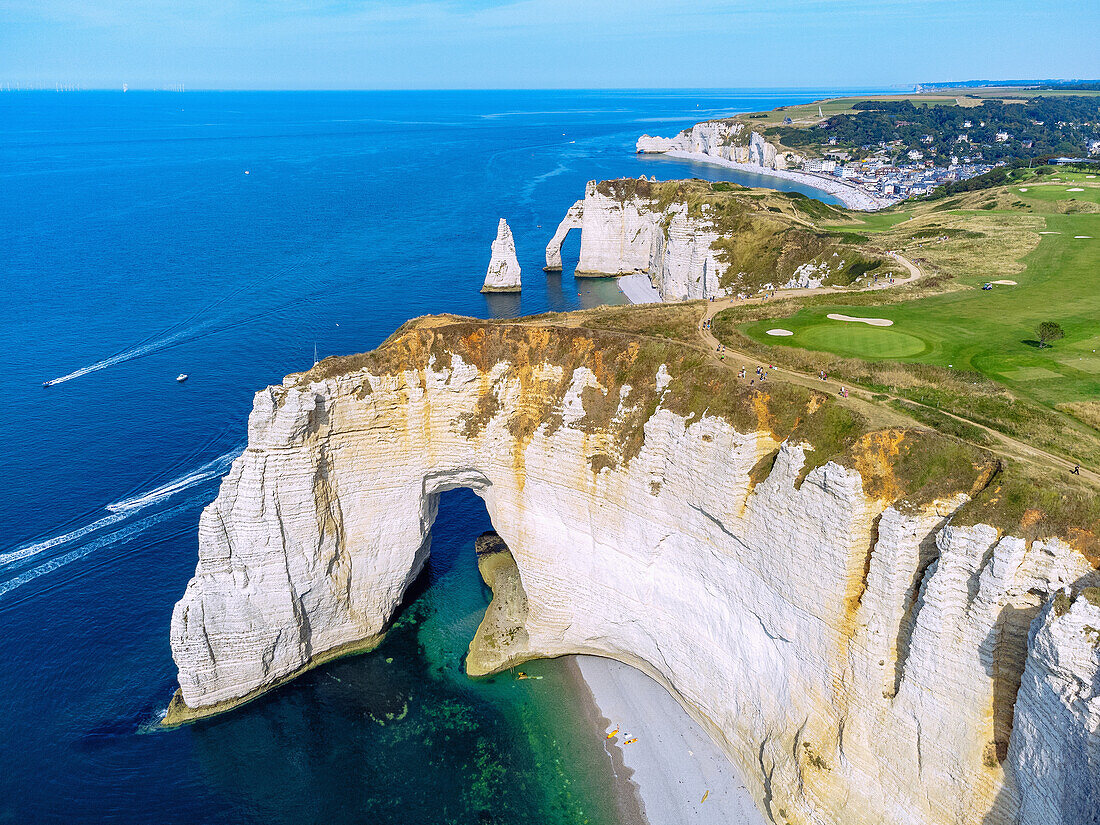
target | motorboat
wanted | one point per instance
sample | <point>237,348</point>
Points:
<point>182,377</point>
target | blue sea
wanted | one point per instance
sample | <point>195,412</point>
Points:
<point>230,236</point>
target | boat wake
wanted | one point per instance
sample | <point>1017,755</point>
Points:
<point>120,535</point>
<point>175,336</point>
<point>30,550</point>
<point>121,512</point>
<point>212,469</point>
<point>125,355</point>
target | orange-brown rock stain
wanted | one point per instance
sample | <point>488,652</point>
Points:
<point>874,455</point>
<point>762,411</point>
<point>1087,543</point>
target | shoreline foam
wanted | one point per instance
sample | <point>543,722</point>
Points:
<point>851,196</point>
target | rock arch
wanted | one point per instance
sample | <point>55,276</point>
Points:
<point>770,604</point>
<point>573,219</point>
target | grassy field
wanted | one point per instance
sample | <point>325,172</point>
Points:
<point>875,221</point>
<point>991,332</point>
<point>982,342</point>
<point>808,113</point>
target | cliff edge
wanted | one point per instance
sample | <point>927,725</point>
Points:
<point>725,140</point>
<point>802,584</point>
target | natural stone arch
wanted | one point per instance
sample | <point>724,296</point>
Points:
<point>768,600</point>
<point>573,220</point>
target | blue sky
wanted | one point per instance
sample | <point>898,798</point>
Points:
<point>336,44</point>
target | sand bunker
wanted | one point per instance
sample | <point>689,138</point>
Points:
<point>1023,188</point>
<point>1048,232</point>
<point>1075,189</point>
<point>780,332</point>
<point>1005,283</point>
<point>1082,236</point>
<point>875,322</point>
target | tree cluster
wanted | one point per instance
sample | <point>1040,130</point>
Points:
<point>1051,125</point>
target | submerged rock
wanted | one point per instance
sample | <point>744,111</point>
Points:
<point>503,273</point>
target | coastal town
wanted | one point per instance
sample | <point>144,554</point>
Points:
<point>884,175</point>
<point>872,153</point>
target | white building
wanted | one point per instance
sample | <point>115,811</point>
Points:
<point>915,154</point>
<point>1002,137</point>
<point>818,165</point>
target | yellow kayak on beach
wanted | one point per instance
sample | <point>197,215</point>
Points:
<point>612,733</point>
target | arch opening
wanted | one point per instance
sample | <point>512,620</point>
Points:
<point>495,636</point>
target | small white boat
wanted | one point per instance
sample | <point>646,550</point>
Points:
<point>182,377</point>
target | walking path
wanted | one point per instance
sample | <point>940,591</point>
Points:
<point>915,274</point>
<point>860,398</point>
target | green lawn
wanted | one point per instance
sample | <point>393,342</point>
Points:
<point>873,222</point>
<point>989,331</point>
<point>1049,192</point>
<point>860,340</point>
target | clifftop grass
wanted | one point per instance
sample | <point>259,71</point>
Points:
<point>907,467</point>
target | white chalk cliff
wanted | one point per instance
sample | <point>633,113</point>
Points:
<point>624,234</point>
<point>503,274</point>
<point>628,228</point>
<point>724,139</point>
<point>573,220</point>
<point>857,657</point>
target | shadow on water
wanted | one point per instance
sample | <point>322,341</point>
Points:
<point>503,304</point>
<point>401,735</point>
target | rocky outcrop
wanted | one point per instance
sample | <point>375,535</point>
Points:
<point>503,274</point>
<point>624,231</point>
<point>855,650</point>
<point>1056,731</point>
<point>692,243</point>
<point>573,220</point>
<point>763,153</point>
<point>724,139</point>
<point>501,639</point>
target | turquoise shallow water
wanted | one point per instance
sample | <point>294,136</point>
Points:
<point>135,248</point>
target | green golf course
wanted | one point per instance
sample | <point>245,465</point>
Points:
<point>990,331</point>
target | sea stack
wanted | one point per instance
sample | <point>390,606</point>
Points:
<point>503,273</point>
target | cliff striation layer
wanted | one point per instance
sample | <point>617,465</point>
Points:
<point>723,139</point>
<point>503,274</point>
<point>797,582</point>
<point>693,241</point>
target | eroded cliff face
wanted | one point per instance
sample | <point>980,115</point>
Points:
<point>725,139</point>
<point>857,655</point>
<point>693,245</point>
<point>625,234</point>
